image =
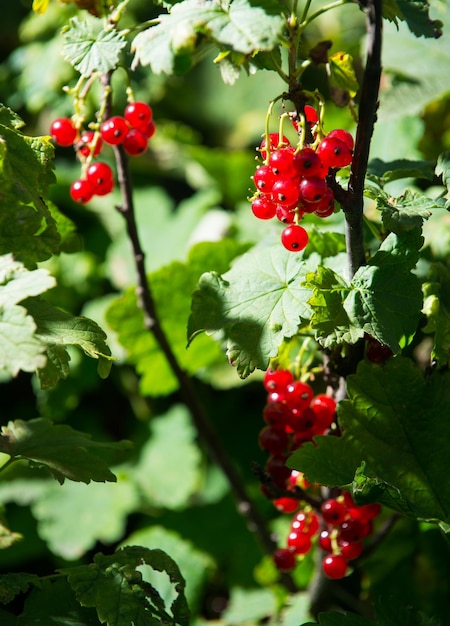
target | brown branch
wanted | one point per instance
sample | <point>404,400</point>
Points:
<point>256,522</point>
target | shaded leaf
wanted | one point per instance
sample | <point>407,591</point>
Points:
<point>406,212</point>
<point>384,435</point>
<point>65,452</point>
<point>386,172</point>
<point>257,303</point>
<point>114,586</point>
<point>14,583</point>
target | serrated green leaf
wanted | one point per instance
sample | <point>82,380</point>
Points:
<point>256,304</point>
<point>383,426</point>
<point>173,443</point>
<point>18,283</point>
<point>56,330</point>
<point>90,48</point>
<point>171,287</point>
<point>238,26</point>
<point>14,583</point>
<point>383,299</point>
<point>436,307</point>
<point>114,586</point>
<point>406,212</point>
<point>28,229</point>
<point>73,519</point>
<point>249,605</point>
<point>65,452</point>
<point>195,566</point>
<point>342,74</point>
<point>329,318</point>
<point>324,243</point>
<point>20,348</point>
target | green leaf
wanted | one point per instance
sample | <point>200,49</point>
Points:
<point>324,243</point>
<point>56,330</point>
<point>65,452</point>
<point>249,606</point>
<point>195,566</point>
<point>436,308</point>
<point>171,445</point>
<point>385,172</point>
<point>342,74</point>
<point>21,348</point>
<point>73,519</point>
<point>114,586</point>
<point>384,298</point>
<point>27,227</point>
<point>171,287</point>
<point>416,15</point>
<point>54,602</point>
<point>90,48</point>
<point>14,583</point>
<point>383,434</point>
<point>256,304</point>
<point>238,26</point>
<point>340,619</point>
<point>407,212</point>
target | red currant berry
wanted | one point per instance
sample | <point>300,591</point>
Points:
<point>311,115</point>
<point>306,523</point>
<point>100,176</point>
<point>150,129</point>
<point>334,512</point>
<point>282,162</point>
<point>325,207</point>
<point>276,414</point>
<point>377,352</point>
<point>85,144</point>
<point>81,191</point>
<point>325,541</point>
<point>285,214</point>
<point>308,163</point>
<point>351,549</point>
<point>294,238</point>
<point>275,141</point>
<point>335,566</point>
<point>138,115</point>
<point>334,152</point>
<point>284,559</point>
<point>285,191</point>
<point>277,380</point>
<point>277,470</point>
<point>273,440</point>
<point>351,530</point>
<point>286,505</point>
<point>63,131</point>
<point>324,409</point>
<point>264,178</point>
<point>135,142</point>
<point>313,189</point>
<point>300,542</point>
<point>114,130</point>
<point>344,136</point>
<point>298,395</point>
<point>263,207</point>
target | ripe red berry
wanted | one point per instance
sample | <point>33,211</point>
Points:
<point>285,214</point>
<point>300,542</point>
<point>344,136</point>
<point>324,408</point>
<point>273,440</point>
<point>308,163</point>
<point>333,512</point>
<point>351,549</point>
<point>81,191</point>
<point>135,142</point>
<point>264,178</point>
<point>294,238</point>
<point>85,144</point>
<point>285,191</point>
<point>114,130</point>
<point>284,559</point>
<point>298,395</point>
<point>282,162</point>
<point>312,189</point>
<point>100,176</point>
<point>335,566</point>
<point>63,131</point>
<point>263,207</point>
<point>286,505</point>
<point>275,141</point>
<point>138,115</point>
<point>277,380</point>
<point>334,152</point>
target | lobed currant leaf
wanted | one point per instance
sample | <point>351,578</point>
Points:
<point>416,15</point>
<point>383,434</point>
<point>255,305</point>
<point>242,28</point>
<point>90,48</point>
<point>406,212</point>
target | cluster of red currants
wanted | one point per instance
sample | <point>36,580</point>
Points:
<point>292,180</point>
<point>133,131</point>
<point>294,415</point>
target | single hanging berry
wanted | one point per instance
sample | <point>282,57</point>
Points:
<point>114,130</point>
<point>294,238</point>
<point>63,131</point>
